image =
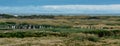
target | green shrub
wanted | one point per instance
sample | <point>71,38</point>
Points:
<point>83,37</point>
<point>102,33</point>
<point>21,34</point>
<point>78,39</point>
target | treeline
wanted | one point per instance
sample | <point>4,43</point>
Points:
<point>38,16</point>
<point>7,16</point>
<point>58,16</point>
<point>26,16</point>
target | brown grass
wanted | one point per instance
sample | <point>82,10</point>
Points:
<point>32,41</point>
<point>59,41</point>
<point>62,21</point>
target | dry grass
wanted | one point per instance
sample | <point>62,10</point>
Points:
<point>81,39</point>
<point>32,41</point>
<point>61,21</point>
<point>76,39</point>
<point>59,41</point>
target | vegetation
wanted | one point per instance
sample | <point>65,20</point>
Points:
<point>31,34</point>
<point>61,20</point>
<point>53,38</point>
<point>62,32</point>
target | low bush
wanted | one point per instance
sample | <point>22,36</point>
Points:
<point>102,33</point>
<point>83,37</point>
<point>79,39</point>
<point>32,34</point>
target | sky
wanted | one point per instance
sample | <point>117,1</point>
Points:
<point>60,6</point>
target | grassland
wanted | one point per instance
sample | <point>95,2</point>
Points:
<point>62,36</point>
<point>67,20</point>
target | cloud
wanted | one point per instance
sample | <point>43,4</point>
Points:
<point>102,9</point>
<point>83,7</point>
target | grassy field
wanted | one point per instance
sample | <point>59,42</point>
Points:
<point>61,36</point>
<point>64,21</point>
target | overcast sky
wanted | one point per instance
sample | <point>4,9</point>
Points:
<point>60,6</point>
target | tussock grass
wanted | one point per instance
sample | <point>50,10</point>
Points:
<point>59,38</point>
<point>103,33</point>
<point>22,34</point>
